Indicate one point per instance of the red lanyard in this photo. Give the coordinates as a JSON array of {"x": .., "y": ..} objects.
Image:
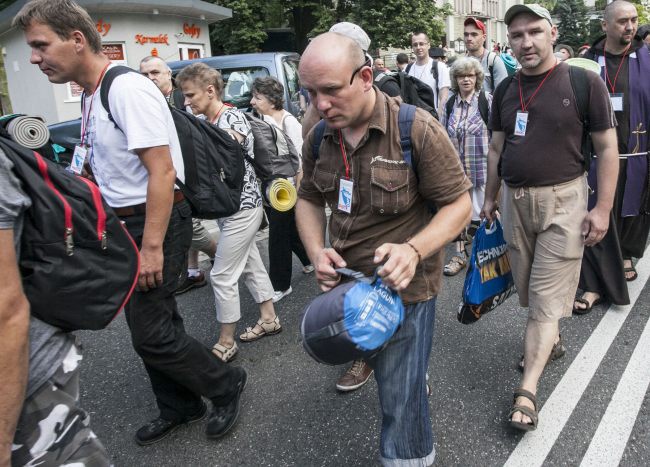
[
  {"x": 216, "y": 119},
  {"x": 521, "y": 92},
  {"x": 620, "y": 65},
  {"x": 345, "y": 156},
  {"x": 85, "y": 117}
]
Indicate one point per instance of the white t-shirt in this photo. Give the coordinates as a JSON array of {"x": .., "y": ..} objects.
[
  {"x": 142, "y": 114},
  {"x": 423, "y": 73}
]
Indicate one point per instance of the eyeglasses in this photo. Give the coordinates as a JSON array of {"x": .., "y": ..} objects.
[
  {"x": 466, "y": 76},
  {"x": 419, "y": 44},
  {"x": 357, "y": 70}
]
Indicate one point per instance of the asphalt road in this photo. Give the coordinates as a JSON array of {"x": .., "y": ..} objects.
[{"x": 595, "y": 400}]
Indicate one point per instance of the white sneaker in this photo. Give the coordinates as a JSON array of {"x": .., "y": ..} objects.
[
  {"x": 308, "y": 269},
  {"x": 279, "y": 295}
]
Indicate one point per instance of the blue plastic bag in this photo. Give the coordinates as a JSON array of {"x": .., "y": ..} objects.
[{"x": 488, "y": 282}]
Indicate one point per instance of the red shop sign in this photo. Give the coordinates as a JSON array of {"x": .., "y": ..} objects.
[{"x": 159, "y": 39}]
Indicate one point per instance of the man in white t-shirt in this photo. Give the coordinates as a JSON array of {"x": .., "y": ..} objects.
[
  {"x": 135, "y": 161},
  {"x": 432, "y": 72}
]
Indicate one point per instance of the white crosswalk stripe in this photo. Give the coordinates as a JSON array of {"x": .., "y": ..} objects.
[{"x": 534, "y": 447}]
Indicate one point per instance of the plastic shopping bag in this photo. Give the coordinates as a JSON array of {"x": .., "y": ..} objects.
[{"x": 488, "y": 282}]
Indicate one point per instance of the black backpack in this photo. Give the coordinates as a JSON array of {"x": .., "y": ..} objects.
[
  {"x": 275, "y": 154},
  {"x": 213, "y": 159},
  {"x": 483, "y": 106},
  {"x": 581, "y": 91},
  {"x": 78, "y": 264},
  {"x": 412, "y": 90}
]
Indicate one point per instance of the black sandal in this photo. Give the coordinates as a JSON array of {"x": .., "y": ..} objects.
[
  {"x": 631, "y": 269},
  {"x": 527, "y": 411},
  {"x": 588, "y": 306}
]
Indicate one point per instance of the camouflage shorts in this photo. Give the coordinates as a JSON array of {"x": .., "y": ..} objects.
[{"x": 53, "y": 430}]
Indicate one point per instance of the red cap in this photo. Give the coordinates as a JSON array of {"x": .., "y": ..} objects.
[{"x": 476, "y": 22}]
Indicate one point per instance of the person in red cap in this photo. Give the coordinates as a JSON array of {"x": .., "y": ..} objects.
[{"x": 475, "y": 35}]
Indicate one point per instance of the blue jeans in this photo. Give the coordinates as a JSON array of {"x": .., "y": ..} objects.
[{"x": 400, "y": 371}]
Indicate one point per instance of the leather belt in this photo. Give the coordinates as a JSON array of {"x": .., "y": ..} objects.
[{"x": 138, "y": 209}]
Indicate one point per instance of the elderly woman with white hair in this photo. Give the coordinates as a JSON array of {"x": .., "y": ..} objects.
[{"x": 465, "y": 118}]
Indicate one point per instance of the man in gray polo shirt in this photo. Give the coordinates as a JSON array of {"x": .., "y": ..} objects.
[{"x": 494, "y": 69}]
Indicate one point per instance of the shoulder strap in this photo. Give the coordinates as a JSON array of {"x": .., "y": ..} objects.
[
  {"x": 107, "y": 81},
  {"x": 580, "y": 85},
  {"x": 434, "y": 71},
  {"x": 491, "y": 67},
  {"x": 483, "y": 107},
  {"x": 449, "y": 106},
  {"x": 581, "y": 89},
  {"x": 405, "y": 122},
  {"x": 500, "y": 91},
  {"x": 178, "y": 98},
  {"x": 319, "y": 131},
  {"x": 408, "y": 68}
]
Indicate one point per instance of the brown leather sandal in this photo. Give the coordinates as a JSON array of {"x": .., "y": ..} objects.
[
  {"x": 455, "y": 265},
  {"x": 527, "y": 411}
]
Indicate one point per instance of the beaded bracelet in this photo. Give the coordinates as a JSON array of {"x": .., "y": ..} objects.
[{"x": 416, "y": 251}]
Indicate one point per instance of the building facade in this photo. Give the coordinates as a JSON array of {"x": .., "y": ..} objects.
[{"x": 130, "y": 31}]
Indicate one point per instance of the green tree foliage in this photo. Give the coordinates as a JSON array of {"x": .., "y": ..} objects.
[
  {"x": 244, "y": 32},
  {"x": 387, "y": 22},
  {"x": 573, "y": 22}
]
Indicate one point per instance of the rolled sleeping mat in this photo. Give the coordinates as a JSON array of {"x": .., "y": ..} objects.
[
  {"x": 584, "y": 63},
  {"x": 30, "y": 132},
  {"x": 510, "y": 62},
  {"x": 353, "y": 320},
  {"x": 281, "y": 194}
]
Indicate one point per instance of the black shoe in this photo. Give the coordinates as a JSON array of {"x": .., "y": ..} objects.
[
  {"x": 160, "y": 428},
  {"x": 192, "y": 283},
  {"x": 223, "y": 417}
]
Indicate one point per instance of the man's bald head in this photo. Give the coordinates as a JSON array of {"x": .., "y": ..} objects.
[
  {"x": 620, "y": 23},
  {"x": 334, "y": 70},
  {"x": 334, "y": 46},
  {"x": 157, "y": 70},
  {"x": 612, "y": 8}
]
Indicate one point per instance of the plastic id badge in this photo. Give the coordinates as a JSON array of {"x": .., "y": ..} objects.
[
  {"x": 617, "y": 101},
  {"x": 345, "y": 195},
  {"x": 78, "y": 159},
  {"x": 521, "y": 121}
]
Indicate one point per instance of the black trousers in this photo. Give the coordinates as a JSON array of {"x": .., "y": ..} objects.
[
  {"x": 180, "y": 368},
  {"x": 283, "y": 239}
]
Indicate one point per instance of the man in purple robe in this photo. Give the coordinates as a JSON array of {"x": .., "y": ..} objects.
[{"x": 625, "y": 67}]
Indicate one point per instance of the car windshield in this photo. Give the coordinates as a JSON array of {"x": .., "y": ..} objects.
[{"x": 238, "y": 83}]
